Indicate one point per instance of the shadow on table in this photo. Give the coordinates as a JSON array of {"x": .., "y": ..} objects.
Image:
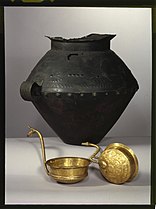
[{"x": 95, "y": 179}]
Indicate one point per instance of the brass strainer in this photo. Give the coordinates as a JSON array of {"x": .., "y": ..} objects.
[{"x": 118, "y": 163}]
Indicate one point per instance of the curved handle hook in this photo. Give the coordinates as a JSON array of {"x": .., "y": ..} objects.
[
  {"x": 30, "y": 133},
  {"x": 93, "y": 157}
]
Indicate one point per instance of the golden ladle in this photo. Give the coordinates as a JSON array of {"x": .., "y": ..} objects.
[{"x": 63, "y": 169}]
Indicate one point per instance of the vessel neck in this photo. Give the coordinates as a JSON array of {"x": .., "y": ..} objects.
[{"x": 93, "y": 42}]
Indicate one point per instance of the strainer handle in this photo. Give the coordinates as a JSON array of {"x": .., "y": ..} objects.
[
  {"x": 30, "y": 133},
  {"x": 93, "y": 157}
]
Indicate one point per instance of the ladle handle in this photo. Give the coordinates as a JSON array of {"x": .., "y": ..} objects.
[
  {"x": 93, "y": 157},
  {"x": 30, "y": 133}
]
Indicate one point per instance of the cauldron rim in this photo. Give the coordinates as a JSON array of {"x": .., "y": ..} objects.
[{"x": 88, "y": 38}]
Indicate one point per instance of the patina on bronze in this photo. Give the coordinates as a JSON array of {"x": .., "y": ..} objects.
[{"x": 80, "y": 87}]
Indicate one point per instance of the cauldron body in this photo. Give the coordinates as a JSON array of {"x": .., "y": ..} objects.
[{"x": 80, "y": 87}]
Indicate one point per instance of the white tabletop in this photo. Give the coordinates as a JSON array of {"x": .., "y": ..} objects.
[{"x": 27, "y": 183}]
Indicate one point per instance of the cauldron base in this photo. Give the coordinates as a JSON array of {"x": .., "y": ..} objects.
[{"x": 76, "y": 119}]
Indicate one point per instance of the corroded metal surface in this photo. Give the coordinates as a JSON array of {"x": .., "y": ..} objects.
[{"x": 80, "y": 87}]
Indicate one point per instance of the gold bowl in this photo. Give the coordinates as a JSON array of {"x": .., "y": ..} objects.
[{"x": 68, "y": 169}]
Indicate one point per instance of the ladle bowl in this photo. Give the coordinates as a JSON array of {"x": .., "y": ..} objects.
[
  {"x": 68, "y": 169},
  {"x": 63, "y": 169}
]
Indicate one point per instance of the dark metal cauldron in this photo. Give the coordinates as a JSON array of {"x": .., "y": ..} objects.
[{"x": 80, "y": 87}]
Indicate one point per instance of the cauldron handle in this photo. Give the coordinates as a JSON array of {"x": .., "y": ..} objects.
[
  {"x": 30, "y": 89},
  {"x": 30, "y": 133},
  {"x": 93, "y": 157}
]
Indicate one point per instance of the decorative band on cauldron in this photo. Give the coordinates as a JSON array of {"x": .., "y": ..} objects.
[{"x": 29, "y": 91}]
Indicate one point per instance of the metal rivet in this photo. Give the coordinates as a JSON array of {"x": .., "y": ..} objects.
[
  {"x": 57, "y": 94},
  {"x": 94, "y": 94},
  {"x": 117, "y": 92},
  {"x": 81, "y": 95},
  {"x": 69, "y": 94},
  {"x": 106, "y": 93}
]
